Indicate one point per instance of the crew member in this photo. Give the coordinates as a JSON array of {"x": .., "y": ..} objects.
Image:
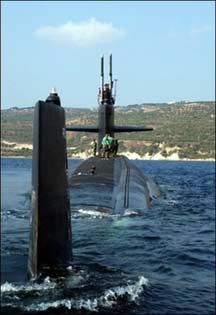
[
  {"x": 94, "y": 147},
  {"x": 106, "y": 92},
  {"x": 105, "y": 146},
  {"x": 111, "y": 144},
  {"x": 115, "y": 146}
]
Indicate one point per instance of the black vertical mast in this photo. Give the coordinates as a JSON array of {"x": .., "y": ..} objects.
[
  {"x": 102, "y": 77},
  {"x": 110, "y": 74}
]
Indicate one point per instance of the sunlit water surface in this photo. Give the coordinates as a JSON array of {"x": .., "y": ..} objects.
[{"x": 162, "y": 262}]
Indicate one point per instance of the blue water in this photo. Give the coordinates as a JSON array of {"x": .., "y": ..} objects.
[{"x": 160, "y": 263}]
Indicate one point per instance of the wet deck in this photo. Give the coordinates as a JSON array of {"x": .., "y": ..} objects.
[
  {"x": 117, "y": 184},
  {"x": 106, "y": 171}
]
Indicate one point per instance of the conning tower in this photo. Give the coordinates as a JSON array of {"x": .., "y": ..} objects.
[{"x": 106, "y": 110}]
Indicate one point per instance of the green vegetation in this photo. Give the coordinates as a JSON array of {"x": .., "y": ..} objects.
[{"x": 184, "y": 128}]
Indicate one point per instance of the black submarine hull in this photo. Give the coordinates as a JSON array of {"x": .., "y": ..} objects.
[{"x": 115, "y": 186}]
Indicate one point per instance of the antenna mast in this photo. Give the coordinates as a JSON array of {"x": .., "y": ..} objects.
[
  {"x": 115, "y": 89},
  {"x": 110, "y": 73},
  {"x": 102, "y": 77}
]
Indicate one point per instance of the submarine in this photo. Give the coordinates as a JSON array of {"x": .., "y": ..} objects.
[{"x": 111, "y": 185}]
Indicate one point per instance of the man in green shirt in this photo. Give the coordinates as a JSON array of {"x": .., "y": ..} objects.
[
  {"x": 107, "y": 143},
  {"x": 105, "y": 140}
]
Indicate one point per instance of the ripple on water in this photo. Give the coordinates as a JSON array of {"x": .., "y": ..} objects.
[
  {"x": 50, "y": 294},
  {"x": 172, "y": 244}
]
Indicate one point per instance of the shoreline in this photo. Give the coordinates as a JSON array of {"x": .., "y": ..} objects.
[{"x": 133, "y": 159}]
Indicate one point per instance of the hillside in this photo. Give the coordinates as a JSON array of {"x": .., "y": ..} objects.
[{"x": 186, "y": 128}]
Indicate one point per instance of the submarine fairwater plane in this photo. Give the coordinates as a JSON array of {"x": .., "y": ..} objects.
[{"x": 108, "y": 185}]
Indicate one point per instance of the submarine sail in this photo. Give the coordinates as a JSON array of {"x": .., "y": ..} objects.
[{"x": 106, "y": 111}]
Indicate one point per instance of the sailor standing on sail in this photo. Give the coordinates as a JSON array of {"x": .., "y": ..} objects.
[
  {"x": 111, "y": 144},
  {"x": 107, "y": 93},
  {"x": 94, "y": 147},
  {"x": 115, "y": 146},
  {"x": 105, "y": 146}
]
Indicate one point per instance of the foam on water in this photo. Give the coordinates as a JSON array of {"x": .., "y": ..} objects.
[
  {"x": 131, "y": 212},
  {"x": 47, "y": 284},
  {"x": 108, "y": 299},
  {"x": 95, "y": 213}
]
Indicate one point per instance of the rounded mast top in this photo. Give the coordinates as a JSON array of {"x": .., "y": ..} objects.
[{"x": 53, "y": 97}]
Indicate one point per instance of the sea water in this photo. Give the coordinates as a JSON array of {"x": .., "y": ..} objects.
[{"x": 161, "y": 262}]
